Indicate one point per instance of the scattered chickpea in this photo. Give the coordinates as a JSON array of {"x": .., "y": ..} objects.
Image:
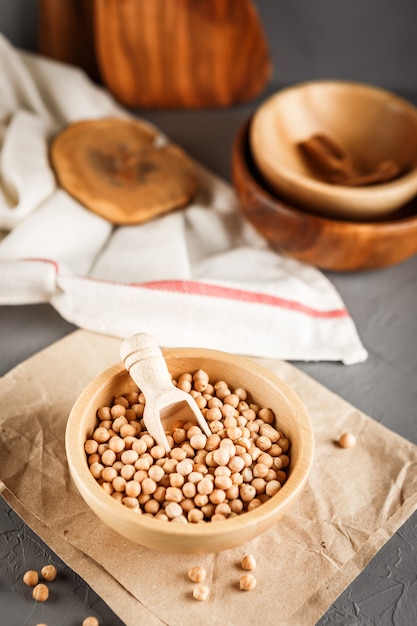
[
  {"x": 48, "y": 572},
  {"x": 31, "y": 578},
  {"x": 347, "y": 440},
  {"x": 197, "y": 574},
  {"x": 40, "y": 592},
  {"x": 248, "y": 562},
  {"x": 90, "y": 621},
  {"x": 201, "y": 592},
  {"x": 247, "y": 582}
]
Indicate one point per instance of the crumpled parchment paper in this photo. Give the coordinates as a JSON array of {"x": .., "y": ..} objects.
[{"x": 354, "y": 501}]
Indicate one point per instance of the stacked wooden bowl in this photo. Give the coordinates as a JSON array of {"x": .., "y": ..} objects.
[{"x": 327, "y": 173}]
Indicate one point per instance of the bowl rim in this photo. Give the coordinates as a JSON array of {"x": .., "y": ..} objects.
[
  {"x": 329, "y": 190},
  {"x": 83, "y": 479}
]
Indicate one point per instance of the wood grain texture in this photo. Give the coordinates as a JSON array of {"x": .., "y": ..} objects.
[
  {"x": 114, "y": 167},
  {"x": 370, "y": 125},
  {"x": 165, "y": 403},
  {"x": 65, "y": 33},
  {"x": 326, "y": 243},
  {"x": 181, "y": 53},
  {"x": 266, "y": 389}
]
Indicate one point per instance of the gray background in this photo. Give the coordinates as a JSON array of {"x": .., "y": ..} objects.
[{"x": 370, "y": 41}]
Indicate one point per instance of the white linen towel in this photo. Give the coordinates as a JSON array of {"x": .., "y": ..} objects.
[{"x": 200, "y": 276}]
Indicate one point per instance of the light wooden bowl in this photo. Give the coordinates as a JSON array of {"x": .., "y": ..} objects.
[
  {"x": 370, "y": 124},
  {"x": 326, "y": 243},
  {"x": 265, "y": 388}
]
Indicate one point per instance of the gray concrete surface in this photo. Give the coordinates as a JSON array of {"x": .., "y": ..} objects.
[{"x": 370, "y": 41}]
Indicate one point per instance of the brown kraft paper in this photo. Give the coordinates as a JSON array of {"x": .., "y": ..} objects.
[{"x": 354, "y": 501}]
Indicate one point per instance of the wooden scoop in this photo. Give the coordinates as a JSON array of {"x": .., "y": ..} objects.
[{"x": 165, "y": 403}]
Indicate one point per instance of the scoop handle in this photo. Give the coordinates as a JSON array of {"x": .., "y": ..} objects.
[{"x": 145, "y": 363}]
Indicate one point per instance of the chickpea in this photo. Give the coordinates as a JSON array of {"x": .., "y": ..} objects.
[
  {"x": 201, "y": 499},
  {"x": 173, "y": 494},
  {"x": 232, "y": 399},
  {"x": 217, "y": 517},
  {"x": 96, "y": 469},
  {"x": 248, "y": 562},
  {"x": 91, "y": 621},
  {"x": 139, "y": 446},
  {"x": 208, "y": 510},
  {"x": 129, "y": 457},
  {"x": 347, "y": 440},
  {"x": 179, "y": 435},
  {"x": 173, "y": 510},
  {"x": 223, "y": 482},
  {"x": 247, "y": 492},
  {"x": 108, "y": 457},
  {"x": 40, "y": 592},
  {"x": 117, "y": 444},
  {"x": 31, "y": 578},
  {"x": 156, "y": 472},
  {"x": 272, "y": 487},
  {"x": 198, "y": 441},
  {"x": 201, "y": 592},
  {"x": 132, "y": 489},
  {"x": 236, "y": 506},
  {"x": 184, "y": 384},
  {"x": 205, "y": 486},
  {"x": 247, "y": 582},
  {"x": 195, "y": 477},
  {"x": 178, "y": 454},
  {"x": 118, "y": 423},
  {"x": 185, "y": 467},
  {"x": 187, "y": 504},
  {"x": 197, "y": 574},
  {"x": 152, "y": 506},
  {"x": 119, "y": 484},
  {"x": 157, "y": 452},
  {"x": 223, "y": 509},
  {"x": 148, "y": 486},
  {"x": 177, "y": 480},
  {"x": 217, "y": 496},
  {"x": 253, "y": 504},
  {"x": 131, "y": 503},
  {"x": 127, "y": 472},
  {"x": 260, "y": 470},
  {"x": 221, "y": 456},
  {"x": 101, "y": 435},
  {"x": 104, "y": 413},
  {"x": 48, "y": 572},
  {"x": 195, "y": 515},
  {"x": 91, "y": 446}
]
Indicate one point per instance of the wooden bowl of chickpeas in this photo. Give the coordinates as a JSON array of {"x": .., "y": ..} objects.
[{"x": 209, "y": 493}]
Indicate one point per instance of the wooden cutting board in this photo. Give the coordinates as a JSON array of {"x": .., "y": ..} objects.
[{"x": 181, "y": 53}]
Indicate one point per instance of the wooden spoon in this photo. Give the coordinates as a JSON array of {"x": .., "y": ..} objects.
[
  {"x": 334, "y": 163},
  {"x": 165, "y": 403}
]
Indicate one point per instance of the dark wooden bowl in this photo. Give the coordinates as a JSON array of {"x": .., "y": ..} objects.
[{"x": 330, "y": 244}]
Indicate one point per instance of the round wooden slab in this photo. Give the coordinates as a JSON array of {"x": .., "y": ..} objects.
[{"x": 112, "y": 166}]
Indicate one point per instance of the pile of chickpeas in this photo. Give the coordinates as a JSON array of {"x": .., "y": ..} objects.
[{"x": 238, "y": 467}]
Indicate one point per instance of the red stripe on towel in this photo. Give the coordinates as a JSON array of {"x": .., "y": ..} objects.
[
  {"x": 218, "y": 291},
  {"x": 211, "y": 290}
]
